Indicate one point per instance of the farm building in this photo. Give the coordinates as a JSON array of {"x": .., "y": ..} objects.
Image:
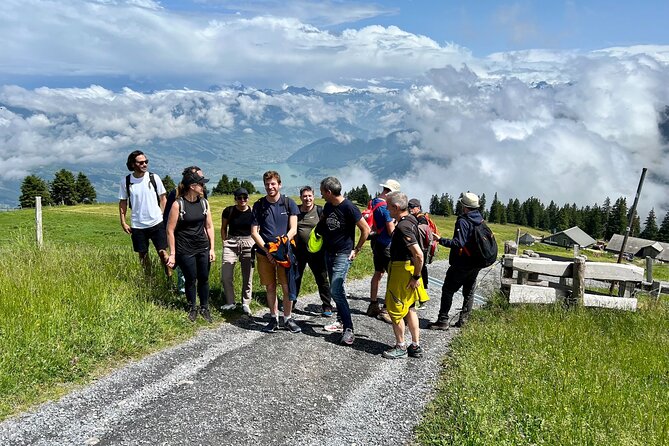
[
  {"x": 528, "y": 239},
  {"x": 570, "y": 237},
  {"x": 639, "y": 247}
]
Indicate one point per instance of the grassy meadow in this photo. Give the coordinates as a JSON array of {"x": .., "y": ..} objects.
[
  {"x": 82, "y": 304},
  {"x": 516, "y": 375}
]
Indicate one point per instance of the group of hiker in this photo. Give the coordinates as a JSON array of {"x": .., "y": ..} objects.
[{"x": 281, "y": 238}]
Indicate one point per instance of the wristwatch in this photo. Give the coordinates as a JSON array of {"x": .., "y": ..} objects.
[{"x": 415, "y": 277}]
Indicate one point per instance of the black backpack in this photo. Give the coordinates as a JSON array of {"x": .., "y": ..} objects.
[{"x": 484, "y": 249}]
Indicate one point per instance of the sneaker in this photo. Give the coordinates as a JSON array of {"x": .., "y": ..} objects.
[
  {"x": 192, "y": 314},
  {"x": 337, "y": 327},
  {"x": 291, "y": 325},
  {"x": 206, "y": 315},
  {"x": 439, "y": 324},
  {"x": 246, "y": 309},
  {"x": 373, "y": 310},
  {"x": 228, "y": 307},
  {"x": 327, "y": 311},
  {"x": 415, "y": 351},
  {"x": 396, "y": 352},
  {"x": 383, "y": 316},
  {"x": 348, "y": 337},
  {"x": 272, "y": 326}
]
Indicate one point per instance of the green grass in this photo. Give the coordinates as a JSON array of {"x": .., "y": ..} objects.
[
  {"x": 546, "y": 375},
  {"x": 70, "y": 311},
  {"x": 517, "y": 375}
]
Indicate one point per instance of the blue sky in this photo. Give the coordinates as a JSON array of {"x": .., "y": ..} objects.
[{"x": 482, "y": 26}]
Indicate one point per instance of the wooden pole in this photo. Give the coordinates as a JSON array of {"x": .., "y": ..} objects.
[
  {"x": 578, "y": 285},
  {"x": 577, "y": 250},
  {"x": 649, "y": 269},
  {"x": 518, "y": 237},
  {"x": 630, "y": 220},
  {"x": 38, "y": 222}
]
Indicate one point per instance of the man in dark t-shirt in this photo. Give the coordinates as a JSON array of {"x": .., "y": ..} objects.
[
  {"x": 308, "y": 218},
  {"x": 405, "y": 289},
  {"x": 274, "y": 215},
  {"x": 337, "y": 227}
]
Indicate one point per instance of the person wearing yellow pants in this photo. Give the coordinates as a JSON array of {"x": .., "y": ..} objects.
[{"x": 404, "y": 289}]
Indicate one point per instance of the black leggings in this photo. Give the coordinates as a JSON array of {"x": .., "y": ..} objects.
[{"x": 196, "y": 268}]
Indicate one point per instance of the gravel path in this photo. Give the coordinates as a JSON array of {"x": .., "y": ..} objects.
[{"x": 235, "y": 385}]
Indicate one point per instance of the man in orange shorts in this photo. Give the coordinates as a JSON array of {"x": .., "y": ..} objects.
[{"x": 274, "y": 215}]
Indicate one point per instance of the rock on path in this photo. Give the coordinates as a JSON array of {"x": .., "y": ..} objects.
[{"x": 235, "y": 385}]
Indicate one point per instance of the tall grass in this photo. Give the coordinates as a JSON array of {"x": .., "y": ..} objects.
[
  {"x": 66, "y": 310},
  {"x": 546, "y": 375}
]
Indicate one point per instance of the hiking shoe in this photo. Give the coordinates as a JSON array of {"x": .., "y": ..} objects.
[
  {"x": 459, "y": 323},
  {"x": 291, "y": 325},
  {"x": 383, "y": 316},
  {"x": 327, "y": 311},
  {"x": 206, "y": 315},
  {"x": 272, "y": 326},
  {"x": 228, "y": 307},
  {"x": 373, "y": 310},
  {"x": 397, "y": 352},
  {"x": 348, "y": 337},
  {"x": 337, "y": 327},
  {"x": 192, "y": 314},
  {"x": 439, "y": 324},
  {"x": 415, "y": 351},
  {"x": 246, "y": 310}
]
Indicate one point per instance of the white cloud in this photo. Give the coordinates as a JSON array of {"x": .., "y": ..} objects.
[{"x": 151, "y": 43}]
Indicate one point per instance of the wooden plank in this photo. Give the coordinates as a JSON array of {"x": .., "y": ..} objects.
[
  {"x": 613, "y": 271},
  {"x": 618, "y": 303},
  {"x": 527, "y": 294},
  {"x": 545, "y": 267}
]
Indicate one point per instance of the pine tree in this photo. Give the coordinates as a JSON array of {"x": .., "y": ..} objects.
[
  {"x": 510, "y": 215},
  {"x": 223, "y": 186},
  {"x": 169, "y": 184},
  {"x": 31, "y": 187},
  {"x": 84, "y": 189},
  {"x": 650, "y": 226},
  {"x": 458, "y": 206},
  {"x": 234, "y": 185},
  {"x": 663, "y": 231},
  {"x": 635, "y": 229},
  {"x": 446, "y": 205},
  {"x": 63, "y": 188},
  {"x": 494, "y": 216},
  {"x": 246, "y": 184},
  {"x": 482, "y": 206},
  {"x": 435, "y": 205},
  {"x": 617, "y": 223}
]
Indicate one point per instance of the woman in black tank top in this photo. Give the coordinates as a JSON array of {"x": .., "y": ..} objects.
[{"x": 190, "y": 235}]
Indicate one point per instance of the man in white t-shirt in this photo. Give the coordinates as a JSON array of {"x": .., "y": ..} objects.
[{"x": 145, "y": 194}]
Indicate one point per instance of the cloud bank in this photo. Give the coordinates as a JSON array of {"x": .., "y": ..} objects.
[{"x": 570, "y": 126}]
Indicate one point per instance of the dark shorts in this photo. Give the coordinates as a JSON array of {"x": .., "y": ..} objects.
[
  {"x": 381, "y": 255},
  {"x": 140, "y": 238}
]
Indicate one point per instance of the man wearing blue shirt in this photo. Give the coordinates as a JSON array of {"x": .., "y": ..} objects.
[
  {"x": 274, "y": 215},
  {"x": 380, "y": 241}
]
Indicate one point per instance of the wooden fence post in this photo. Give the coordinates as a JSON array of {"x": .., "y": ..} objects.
[
  {"x": 38, "y": 222},
  {"x": 577, "y": 250},
  {"x": 578, "y": 285},
  {"x": 649, "y": 269}
]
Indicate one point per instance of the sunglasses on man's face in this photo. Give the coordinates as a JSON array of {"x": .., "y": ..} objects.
[
  {"x": 242, "y": 197},
  {"x": 142, "y": 162}
]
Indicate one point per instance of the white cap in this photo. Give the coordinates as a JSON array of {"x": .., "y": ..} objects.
[{"x": 393, "y": 185}]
